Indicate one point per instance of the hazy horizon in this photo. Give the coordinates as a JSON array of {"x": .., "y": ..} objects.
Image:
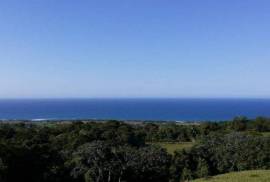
[{"x": 140, "y": 97}]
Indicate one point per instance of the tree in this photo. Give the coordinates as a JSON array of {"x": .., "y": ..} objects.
[
  {"x": 239, "y": 123},
  {"x": 3, "y": 169},
  {"x": 93, "y": 162},
  {"x": 261, "y": 124},
  {"x": 202, "y": 168}
]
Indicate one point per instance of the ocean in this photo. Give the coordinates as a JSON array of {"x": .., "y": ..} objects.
[{"x": 133, "y": 109}]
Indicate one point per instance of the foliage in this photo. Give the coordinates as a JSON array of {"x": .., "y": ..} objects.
[
  {"x": 117, "y": 151},
  {"x": 217, "y": 154}
]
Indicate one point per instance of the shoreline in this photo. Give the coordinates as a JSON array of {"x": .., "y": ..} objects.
[{"x": 132, "y": 122}]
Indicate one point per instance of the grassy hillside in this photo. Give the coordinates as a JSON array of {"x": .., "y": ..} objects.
[{"x": 245, "y": 176}]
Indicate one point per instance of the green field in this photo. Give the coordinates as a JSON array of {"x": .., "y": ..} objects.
[
  {"x": 267, "y": 134},
  {"x": 245, "y": 176},
  {"x": 171, "y": 147}
]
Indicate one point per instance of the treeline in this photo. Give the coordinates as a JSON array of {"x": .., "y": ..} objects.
[
  {"x": 179, "y": 132},
  {"x": 218, "y": 154},
  {"x": 116, "y": 151}
]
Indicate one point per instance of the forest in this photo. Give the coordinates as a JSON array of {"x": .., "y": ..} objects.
[{"x": 111, "y": 151}]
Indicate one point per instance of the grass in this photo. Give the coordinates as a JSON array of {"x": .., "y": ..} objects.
[
  {"x": 245, "y": 176},
  {"x": 266, "y": 134},
  {"x": 172, "y": 147}
]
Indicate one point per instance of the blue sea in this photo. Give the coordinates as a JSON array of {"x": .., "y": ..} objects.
[{"x": 133, "y": 109}]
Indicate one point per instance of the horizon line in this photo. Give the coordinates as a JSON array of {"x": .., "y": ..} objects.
[{"x": 61, "y": 98}]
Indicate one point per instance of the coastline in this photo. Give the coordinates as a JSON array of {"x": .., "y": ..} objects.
[{"x": 132, "y": 122}]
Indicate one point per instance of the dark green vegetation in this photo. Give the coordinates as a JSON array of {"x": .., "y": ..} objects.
[{"x": 116, "y": 151}]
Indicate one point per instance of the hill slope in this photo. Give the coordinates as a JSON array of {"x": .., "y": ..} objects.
[{"x": 245, "y": 176}]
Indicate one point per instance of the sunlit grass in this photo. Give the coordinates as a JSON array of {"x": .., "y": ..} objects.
[
  {"x": 267, "y": 134},
  {"x": 172, "y": 147},
  {"x": 245, "y": 176}
]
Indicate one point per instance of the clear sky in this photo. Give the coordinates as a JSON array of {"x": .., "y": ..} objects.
[{"x": 134, "y": 48}]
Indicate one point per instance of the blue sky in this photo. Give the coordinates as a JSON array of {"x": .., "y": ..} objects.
[{"x": 138, "y": 48}]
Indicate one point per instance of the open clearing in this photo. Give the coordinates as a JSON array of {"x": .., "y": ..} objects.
[{"x": 172, "y": 147}]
